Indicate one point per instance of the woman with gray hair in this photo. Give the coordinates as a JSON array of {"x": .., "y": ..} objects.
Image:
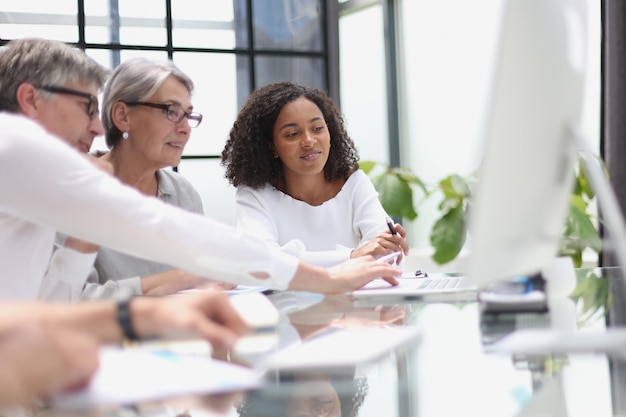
[{"x": 147, "y": 116}]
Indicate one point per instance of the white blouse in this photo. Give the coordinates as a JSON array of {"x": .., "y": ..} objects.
[{"x": 323, "y": 235}]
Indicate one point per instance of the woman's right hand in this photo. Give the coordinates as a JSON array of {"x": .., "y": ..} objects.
[{"x": 383, "y": 244}]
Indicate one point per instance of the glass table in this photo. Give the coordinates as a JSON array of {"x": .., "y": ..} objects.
[{"x": 451, "y": 369}]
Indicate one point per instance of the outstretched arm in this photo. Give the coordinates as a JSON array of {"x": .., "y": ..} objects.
[
  {"x": 67, "y": 193},
  {"x": 208, "y": 315},
  {"x": 174, "y": 280},
  {"x": 345, "y": 277}
]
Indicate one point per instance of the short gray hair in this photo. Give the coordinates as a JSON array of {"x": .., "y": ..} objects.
[
  {"x": 136, "y": 79},
  {"x": 43, "y": 62}
]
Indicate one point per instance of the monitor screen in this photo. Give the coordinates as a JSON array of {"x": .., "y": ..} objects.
[{"x": 526, "y": 176}]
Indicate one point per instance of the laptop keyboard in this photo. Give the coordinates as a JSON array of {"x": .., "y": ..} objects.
[{"x": 439, "y": 283}]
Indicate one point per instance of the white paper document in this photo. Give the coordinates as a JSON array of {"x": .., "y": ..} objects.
[{"x": 130, "y": 376}]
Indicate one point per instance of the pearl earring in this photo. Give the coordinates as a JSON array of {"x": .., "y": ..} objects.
[{"x": 125, "y": 135}]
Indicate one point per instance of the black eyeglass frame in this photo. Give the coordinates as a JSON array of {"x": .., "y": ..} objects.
[
  {"x": 92, "y": 110},
  {"x": 192, "y": 116}
]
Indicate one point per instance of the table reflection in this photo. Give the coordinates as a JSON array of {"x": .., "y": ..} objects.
[{"x": 337, "y": 394}]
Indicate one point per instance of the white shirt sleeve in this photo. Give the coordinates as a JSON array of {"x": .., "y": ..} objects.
[
  {"x": 67, "y": 192},
  {"x": 368, "y": 211},
  {"x": 369, "y": 214},
  {"x": 66, "y": 275},
  {"x": 112, "y": 288}
]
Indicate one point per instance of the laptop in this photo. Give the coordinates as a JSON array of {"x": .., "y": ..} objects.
[{"x": 434, "y": 287}]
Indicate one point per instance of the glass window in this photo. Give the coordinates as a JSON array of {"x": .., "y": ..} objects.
[
  {"x": 363, "y": 93},
  {"x": 33, "y": 8},
  {"x": 215, "y": 96},
  {"x": 218, "y": 24},
  {"x": 304, "y": 70},
  {"x": 59, "y": 32},
  {"x": 288, "y": 24},
  {"x": 134, "y": 22},
  {"x": 52, "y": 20},
  {"x": 212, "y": 41},
  {"x": 108, "y": 58}
]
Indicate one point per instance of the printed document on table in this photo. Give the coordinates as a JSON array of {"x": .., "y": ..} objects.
[{"x": 131, "y": 376}]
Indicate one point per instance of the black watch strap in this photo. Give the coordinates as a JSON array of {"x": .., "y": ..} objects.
[{"x": 125, "y": 320}]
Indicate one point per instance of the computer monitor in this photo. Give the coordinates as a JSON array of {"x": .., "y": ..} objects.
[{"x": 526, "y": 176}]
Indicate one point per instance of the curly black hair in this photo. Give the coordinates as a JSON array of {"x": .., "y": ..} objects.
[{"x": 248, "y": 156}]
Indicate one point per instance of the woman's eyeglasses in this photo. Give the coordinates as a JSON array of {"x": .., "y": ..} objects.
[{"x": 174, "y": 112}]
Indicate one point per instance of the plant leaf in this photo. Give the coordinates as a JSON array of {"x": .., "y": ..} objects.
[
  {"x": 367, "y": 166},
  {"x": 408, "y": 176},
  {"x": 395, "y": 195},
  {"x": 448, "y": 236},
  {"x": 578, "y": 202},
  {"x": 448, "y": 204},
  {"x": 580, "y": 231},
  {"x": 446, "y": 187},
  {"x": 583, "y": 181},
  {"x": 460, "y": 185}
]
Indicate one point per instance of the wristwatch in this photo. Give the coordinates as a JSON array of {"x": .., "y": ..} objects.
[{"x": 124, "y": 318}]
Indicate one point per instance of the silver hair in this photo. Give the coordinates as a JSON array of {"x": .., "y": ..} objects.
[
  {"x": 44, "y": 62},
  {"x": 136, "y": 79}
]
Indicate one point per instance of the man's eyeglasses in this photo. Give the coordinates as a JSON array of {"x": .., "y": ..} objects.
[
  {"x": 92, "y": 106},
  {"x": 174, "y": 112}
]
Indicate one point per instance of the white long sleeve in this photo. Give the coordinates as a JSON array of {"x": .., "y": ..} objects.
[
  {"x": 66, "y": 275},
  {"x": 110, "y": 288},
  {"x": 47, "y": 186},
  {"x": 322, "y": 235}
]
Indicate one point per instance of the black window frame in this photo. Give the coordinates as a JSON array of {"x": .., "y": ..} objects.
[
  {"x": 328, "y": 53},
  {"x": 331, "y": 10}
]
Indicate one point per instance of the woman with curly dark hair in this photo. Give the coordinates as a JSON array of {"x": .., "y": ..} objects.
[{"x": 298, "y": 180}]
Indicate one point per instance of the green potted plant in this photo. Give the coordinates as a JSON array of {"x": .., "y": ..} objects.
[{"x": 396, "y": 186}]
